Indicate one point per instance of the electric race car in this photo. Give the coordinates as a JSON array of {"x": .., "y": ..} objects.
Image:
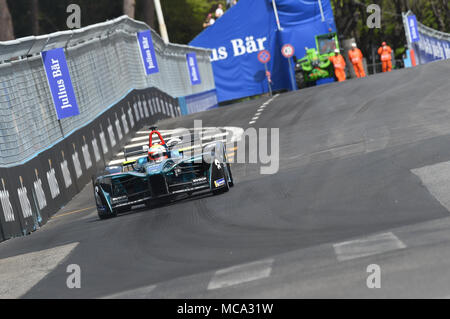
[{"x": 162, "y": 175}]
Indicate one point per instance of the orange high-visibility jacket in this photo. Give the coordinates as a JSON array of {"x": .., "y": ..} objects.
[
  {"x": 355, "y": 55},
  {"x": 338, "y": 61},
  {"x": 385, "y": 53}
]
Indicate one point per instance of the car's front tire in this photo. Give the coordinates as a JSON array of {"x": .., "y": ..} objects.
[
  {"x": 106, "y": 214},
  {"x": 226, "y": 187},
  {"x": 223, "y": 189}
]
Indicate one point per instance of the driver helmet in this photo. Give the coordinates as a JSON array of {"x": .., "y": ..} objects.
[
  {"x": 336, "y": 51},
  {"x": 157, "y": 153}
]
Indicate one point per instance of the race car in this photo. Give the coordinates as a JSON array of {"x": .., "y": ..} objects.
[{"x": 162, "y": 175}]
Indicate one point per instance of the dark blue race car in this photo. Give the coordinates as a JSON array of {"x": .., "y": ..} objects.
[{"x": 162, "y": 175}]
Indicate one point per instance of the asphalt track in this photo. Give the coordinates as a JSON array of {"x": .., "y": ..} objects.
[{"x": 359, "y": 183}]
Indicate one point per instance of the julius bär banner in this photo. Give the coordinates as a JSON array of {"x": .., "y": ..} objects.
[
  {"x": 147, "y": 52},
  {"x": 59, "y": 82},
  {"x": 194, "y": 73}
]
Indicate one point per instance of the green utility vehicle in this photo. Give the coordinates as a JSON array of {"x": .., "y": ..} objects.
[{"x": 315, "y": 65}]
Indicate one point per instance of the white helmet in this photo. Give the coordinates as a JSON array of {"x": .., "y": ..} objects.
[{"x": 157, "y": 153}]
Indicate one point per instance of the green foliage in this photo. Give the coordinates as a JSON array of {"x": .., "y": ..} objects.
[
  {"x": 53, "y": 16},
  {"x": 399, "y": 51},
  {"x": 351, "y": 17},
  {"x": 184, "y": 18}
]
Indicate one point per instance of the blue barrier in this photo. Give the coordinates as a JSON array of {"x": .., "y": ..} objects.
[{"x": 198, "y": 102}]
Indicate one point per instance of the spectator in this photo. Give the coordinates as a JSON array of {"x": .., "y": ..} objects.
[
  {"x": 219, "y": 11},
  {"x": 230, "y": 3},
  {"x": 208, "y": 21}
]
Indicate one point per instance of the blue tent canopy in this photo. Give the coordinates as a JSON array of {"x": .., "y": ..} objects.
[{"x": 249, "y": 27}]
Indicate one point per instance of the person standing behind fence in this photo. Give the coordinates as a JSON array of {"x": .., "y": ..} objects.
[
  {"x": 209, "y": 21},
  {"x": 230, "y": 3},
  {"x": 219, "y": 11},
  {"x": 355, "y": 56},
  {"x": 339, "y": 65},
  {"x": 385, "y": 53}
]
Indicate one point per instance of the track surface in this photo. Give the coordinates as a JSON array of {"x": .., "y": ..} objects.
[{"x": 346, "y": 155}]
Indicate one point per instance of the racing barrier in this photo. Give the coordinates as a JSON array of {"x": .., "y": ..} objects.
[
  {"x": 32, "y": 192},
  {"x": 44, "y": 161},
  {"x": 428, "y": 44}
]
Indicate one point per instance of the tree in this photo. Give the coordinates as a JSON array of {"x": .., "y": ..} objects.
[
  {"x": 6, "y": 25},
  {"x": 184, "y": 18},
  {"x": 128, "y": 7},
  {"x": 351, "y": 16},
  {"x": 149, "y": 13},
  {"x": 35, "y": 16}
]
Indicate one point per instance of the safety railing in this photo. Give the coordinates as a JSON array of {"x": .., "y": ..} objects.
[{"x": 104, "y": 63}]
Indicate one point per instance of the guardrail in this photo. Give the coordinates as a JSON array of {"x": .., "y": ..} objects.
[
  {"x": 30, "y": 193},
  {"x": 429, "y": 45},
  {"x": 104, "y": 63},
  {"x": 44, "y": 161}
]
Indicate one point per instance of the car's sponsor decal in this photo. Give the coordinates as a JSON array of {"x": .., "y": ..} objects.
[
  {"x": 219, "y": 182},
  {"x": 199, "y": 180}
]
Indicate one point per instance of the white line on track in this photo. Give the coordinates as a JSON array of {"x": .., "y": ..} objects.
[
  {"x": 231, "y": 135},
  {"x": 367, "y": 246},
  {"x": 436, "y": 178},
  {"x": 205, "y": 137},
  {"x": 261, "y": 108},
  {"x": 22, "y": 272},
  {"x": 241, "y": 273},
  {"x": 139, "y": 293},
  {"x": 120, "y": 156}
]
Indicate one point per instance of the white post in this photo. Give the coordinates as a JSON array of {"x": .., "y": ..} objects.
[
  {"x": 162, "y": 24},
  {"x": 406, "y": 26},
  {"x": 276, "y": 15},
  {"x": 321, "y": 11}
]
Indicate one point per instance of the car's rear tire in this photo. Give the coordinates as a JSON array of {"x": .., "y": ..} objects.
[{"x": 231, "y": 183}]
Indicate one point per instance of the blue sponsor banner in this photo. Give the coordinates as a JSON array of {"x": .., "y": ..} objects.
[
  {"x": 429, "y": 49},
  {"x": 250, "y": 27},
  {"x": 147, "y": 52},
  {"x": 413, "y": 30},
  {"x": 194, "y": 74},
  {"x": 60, "y": 84}
]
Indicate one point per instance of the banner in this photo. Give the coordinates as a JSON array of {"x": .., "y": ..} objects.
[
  {"x": 59, "y": 82},
  {"x": 250, "y": 27},
  {"x": 413, "y": 30},
  {"x": 429, "y": 49},
  {"x": 147, "y": 50},
  {"x": 194, "y": 74}
]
